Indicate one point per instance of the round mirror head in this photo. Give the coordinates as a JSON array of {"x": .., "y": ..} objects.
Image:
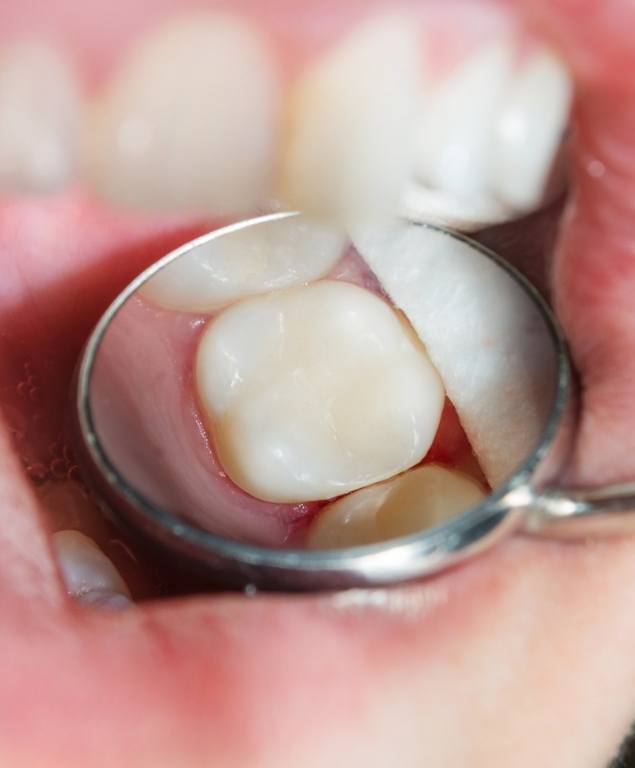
[{"x": 283, "y": 385}]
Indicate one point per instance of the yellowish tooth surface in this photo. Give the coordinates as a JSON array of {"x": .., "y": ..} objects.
[
  {"x": 189, "y": 121},
  {"x": 252, "y": 260},
  {"x": 39, "y": 118},
  {"x": 413, "y": 502},
  {"x": 315, "y": 391},
  {"x": 350, "y": 123}
]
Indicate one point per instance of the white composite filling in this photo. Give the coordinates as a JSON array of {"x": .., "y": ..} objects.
[{"x": 313, "y": 392}]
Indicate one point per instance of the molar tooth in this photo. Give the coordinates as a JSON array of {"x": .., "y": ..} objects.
[
  {"x": 290, "y": 252},
  {"x": 455, "y": 145},
  {"x": 529, "y": 130},
  {"x": 39, "y": 119},
  {"x": 415, "y": 501},
  {"x": 89, "y": 575},
  {"x": 190, "y": 121},
  {"x": 316, "y": 391},
  {"x": 351, "y": 120}
]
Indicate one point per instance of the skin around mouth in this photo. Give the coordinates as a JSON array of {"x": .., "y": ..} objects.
[{"x": 498, "y": 663}]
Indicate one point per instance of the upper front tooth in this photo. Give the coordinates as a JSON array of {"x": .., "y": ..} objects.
[
  {"x": 39, "y": 116},
  {"x": 248, "y": 261},
  {"x": 190, "y": 121},
  {"x": 350, "y": 123},
  {"x": 529, "y": 130},
  {"x": 413, "y": 502},
  {"x": 315, "y": 391},
  {"x": 455, "y": 144}
]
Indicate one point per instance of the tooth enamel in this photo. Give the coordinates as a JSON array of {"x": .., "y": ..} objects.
[
  {"x": 482, "y": 332},
  {"x": 530, "y": 129},
  {"x": 456, "y": 143},
  {"x": 251, "y": 260},
  {"x": 350, "y": 123},
  {"x": 415, "y": 501},
  {"x": 315, "y": 391},
  {"x": 190, "y": 121},
  {"x": 433, "y": 206},
  {"x": 89, "y": 575},
  {"x": 39, "y": 116}
]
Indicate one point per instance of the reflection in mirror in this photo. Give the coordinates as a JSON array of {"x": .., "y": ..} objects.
[{"x": 288, "y": 385}]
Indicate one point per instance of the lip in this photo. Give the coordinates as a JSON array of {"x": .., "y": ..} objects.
[{"x": 286, "y": 680}]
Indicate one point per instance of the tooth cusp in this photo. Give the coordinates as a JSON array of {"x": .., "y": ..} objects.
[{"x": 316, "y": 391}]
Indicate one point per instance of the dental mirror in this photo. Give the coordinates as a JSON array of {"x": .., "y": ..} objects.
[{"x": 292, "y": 406}]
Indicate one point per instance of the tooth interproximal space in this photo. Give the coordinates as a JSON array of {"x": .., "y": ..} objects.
[
  {"x": 316, "y": 391},
  {"x": 190, "y": 120},
  {"x": 245, "y": 262},
  {"x": 415, "y": 501}
]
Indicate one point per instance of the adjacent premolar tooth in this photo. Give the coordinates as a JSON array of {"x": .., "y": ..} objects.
[
  {"x": 415, "y": 501},
  {"x": 315, "y": 391},
  {"x": 456, "y": 143},
  {"x": 89, "y": 575},
  {"x": 250, "y": 260},
  {"x": 351, "y": 120},
  {"x": 39, "y": 117},
  {"x": 529, "y": 130},
  {"x": 190, "y": 121}
]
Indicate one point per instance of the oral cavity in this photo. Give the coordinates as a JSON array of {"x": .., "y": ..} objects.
[
  {"x": 316, "y": 391},
  {"x": 203, "y": 115}
]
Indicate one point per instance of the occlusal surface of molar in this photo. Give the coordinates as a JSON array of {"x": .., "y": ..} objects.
[
  {"x": 40, "y": 107},
  {"x": 315, "y": 391},
  {"x": 189, "y": 120}
]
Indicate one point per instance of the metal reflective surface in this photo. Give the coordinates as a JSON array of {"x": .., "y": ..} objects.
[{"x": 127, "y": 486}]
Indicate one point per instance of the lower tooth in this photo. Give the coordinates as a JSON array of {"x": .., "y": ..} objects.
[
  {"x": 88, "y": 574},
  {"x": 39, "y": 117},
  {"x": 245, "y": 262},
  {"x": 316, "y": 391},
  {"x": 415, "y": 501}
]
